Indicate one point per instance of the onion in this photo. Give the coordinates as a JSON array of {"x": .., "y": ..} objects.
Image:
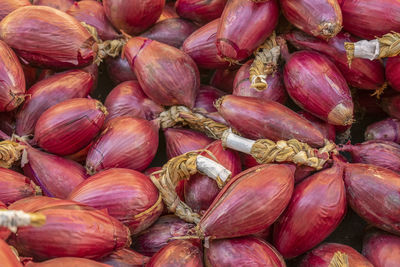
[
  {"x": 258, "y": 118},
  {"x": 382, "y": 249},
  {"x": 328, "y": 130},
  {"x": 223, "y": 79},
  {"x": 67, "y": 261},
  {"x": 36, "y": 203},
  {"x": 62, "y": 5},
  {"x": 81, "y": 155},
  {"x": 92, "y": 13},
  {"x": 14, "y": 186},
  {"x": 49, "y": 92},
  {"x": 30, "y": 75},
  {"x": 316, "y": 85},
  {"x": 69, "y": 126},
  {"x": 133, "y": 16},
  {"x": 391, "y": 105},
  {"x": 125, "y": 143},
  {"x": 8, "y": 6},
  {"x": 172, "y": 32},
  {"x": 243, "y": 251},
  {"x": 118, "y": 70},
  {"x": 125, "y": 258},
  {"x": 388, "y": 129},
  {"x": 48, "y": 38},
  {"x": 7, "y": 256},
  {"x": 168, "y": 12},
  {"x": 392, "y": 72},
  {"x": 182, "y": 253},
  {"x": 206, "y": 97},
  {"x": 321, "y": 198},
  {"x": 4, "y": 232},
  {"x": 128, "y": 99},
  {"x": 363, "y": 181},
  {"x": 200, "y": 11},
  {"x": 175, "y": 79},
  {"x": 151, "y": 170}
]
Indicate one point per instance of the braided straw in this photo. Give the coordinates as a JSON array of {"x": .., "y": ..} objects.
[
  {"x": 339, "y": 259},
  {"x": 10, "y": 152},
  {"x": 12, "y": 219}
]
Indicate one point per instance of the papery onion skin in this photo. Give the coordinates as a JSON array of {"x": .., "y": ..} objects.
[
  {"x": 4, "y": 232},
  {"x": 69, "y": 126},
  {"x": 182, "y": 253},
  {"x": 36, "y": 203},
  {"x": 381, "y": 249},
  {"x": 391, "y": 105},
  {"x": 392, "y": 72},
  {"x": 328, "y": 130},
  {"x": 242, "y": 251},
  {"x": 223, "y": 79},
  {"x": 176, "y": 78},
  {"x": 81, "y": 155},
  {"x": 62, "y": 5},
  {"x": 388, "y": 130},
  {"x": 49, "y": 92},
  {"x": 206, "y": 97},
  {"x": 63, "y": 41},
  {"x": 135, "y": 16},
  {"x": 168, "y": 12},
  {"x": 128, "y": 99},
  {"x": 257, "y": 119},
  {"x": 14, "y": 186},
  {"x": 8, "y": 6},
  {"x": 316, "y": 85},
  {"x": 118, "y": 70},
  {"x": 67, "y": 261},
  {"x": 7, "y": 256},
  {"x": 249, "y": 203},
  {"x": 364, "y": 180},
  {"x": 245, "y": 25},
  {"x": 30, "y": 75},
  {"x": 125, "y": 258},
  {"x": 151, "y": 170},
  {"x": 200, "y": 11}
]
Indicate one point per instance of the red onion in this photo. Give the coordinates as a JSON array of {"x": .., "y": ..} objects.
[
  {"x": 92, "y": 13},
  {"x": 30, "y": 74},
  {"x": 383, "y": 209},
  {"x": 81, "y": 155},
  {"x": 392, "y": 72},
  {"x": 62, "y": 5},
  {"x": 382, "y": 249},
  {"x": 14, "y": 186},
  {"x": 316, "y": 85},
  {"x": 275, "y": 90},
  {"x": 48, "y": 38},
  {"x": 49, "y": 92},
  {"x": 8, "y": 6},
  {"x": 7, "y": 256},
  {"x": 206, "y": 97},
  {"x": 249, "y": 203},
  {"x": 4, "y": 232},
  {"x": 388, "y": 129},
  {"x": 36, "y": 203},
  {"x": 128, "y": 99},
  {"x": 182, "y": 253},
  {"x": 172, "y": 32},
  {"x": 175, "y": 78},
  {"x": 168, "y": 12},
  {"x": 242, "y": 251},
  {"x": 258, "y": 118},
  {"x": 157, "y": 236},
  {"x": 125, "y": 143},
  {"x": 151, "y": 170},
  {"x": 118, "y": 70},
  {"x": 200, "y": 11},
  {"x": 391, "y": 105},
  {"x": 244, "y": 26},
  {"x": 324, "y": 256},
  {"x": 67, "y": 261},
  {"x": 328, "y": 130},
  {"x": 223, "y": 79},
  {"x": 134, "y": 16},
  {"x": 125, "y": 258},
  {"x": 69, "y": 126},
  {"x": 321, "y": 198},
  {"x": 200, "y": 46},
  {"x": 12, "y": 92}
]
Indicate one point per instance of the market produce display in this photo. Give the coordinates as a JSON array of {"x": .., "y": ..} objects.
[{"x": 195, "y": 133}]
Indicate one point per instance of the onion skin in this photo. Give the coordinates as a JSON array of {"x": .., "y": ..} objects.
[
  {"x": 172, "y": 32},
  {"x": 126, "y": 258},
  {"x": 14, "y": 186},
  {"x": 12, "y": 88},
  {"x": 223, "y": 80},
  {"x": 177, "y": 79},
  {"x": 67, "y": 261},
  {"x": 157, "y": 236},
  {"x": 363, "y": 73},
  {"x": 182, "y": 253},
  {"x": 242, "y": 251},
  {"x": 125, "y": 143},
  {"x": 202, "y": 11},
  {"x": 128, "y": 99},
  {"x": 8, "y": 6},
  {"x": 236, "y": 37},
  {"x": 135, "y": 16},
  {"x": 388, "y": 130},
  {"x": 316, "y": 85},
  {"x": 249, "y": 203},
  {"x": 62, "y": 5},
  {"x": 36, "y": 203},
  {"x": 7, "y": 256},
  {"x": 382, "y": 249},
  {"x": 267, "y": 119},
  {"x": 274, "y": 92},
  {"x": 321, "y": 198},
  {"x": 30, "y": 75},
  {"x": 328, "y": 130},
  {"x": 92, "y": 13},
  {"x": 4, "y": 232},
  {"x": 392, "y": 72},
  {"x": 49, "y": 92},
  {"x": 64, "y": 42},
  {"x": 323, "y": 254},
  {"x": 69, "y": 126},
  {"x": 151, "y": 170},
  {"x": 363, "y": 181},
  {"x": 200, "y": 46},
  {"x": 168, "y": 12},
  {"x": 391, "y": 105},
  {"x": 206, "y": 98},
  {"x": 118, "y": 70}
]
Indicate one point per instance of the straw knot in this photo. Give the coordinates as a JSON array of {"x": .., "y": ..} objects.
[
  {"x": 339, "y": 259},
  {"x": 10, "y": 152}
]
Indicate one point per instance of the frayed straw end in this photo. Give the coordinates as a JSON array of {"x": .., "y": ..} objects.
[
  {"x": 380, "y": 91},
  {"x": 349, "y": 52},
  {"x": 339, "y": 259}
]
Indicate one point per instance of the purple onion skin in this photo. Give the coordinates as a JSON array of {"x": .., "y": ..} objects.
[
  {"x": 391, "y": 105},
  {"x": 168, "y": 12},
  {"x": 14, "y": 186},
  {"x": 126, "y": 258},
  {"x": 49, "y": 92},
  {"x": 8, "y": 6},
  {"x": 242, "y": 251},
  {"x": 328, "y": 130},
  {"x": 62, "y": 5},
  {"x": 321, "y": 198},
  {"x": 157, "y": 236},
  {"x": 200, "y": 46},
  {"x": 244, "y": 26},
  {"x": 363, "y": 73},
  {"x": 92, "y": 13},
  {"x": 223, "y": 79},
  {"x": 386, "y": 130},
  {"x": 206, "y": 98},
  {"x": 118, "y": 70},
  {"x": 128, "y": 99},
  {"x": 66, "y": 261},
  {"x": 172, "y": 32},
  {"x": 257, "y": 119},
  {"x": 7, "y": 124},
  {"x": 392, "y": 72},
  {"x": 382, "y": 249},
  {"x": 274, "y": 92},
  {"x": 383, "y": 209},
  {"x": 316, "y": 85},
  {"x": 177, "y": 80},
  {"x": 202, "y": 11}
]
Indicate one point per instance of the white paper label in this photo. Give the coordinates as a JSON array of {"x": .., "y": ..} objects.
[
  {"x": 366, "y": 49},
  {"x": 212, "y": 169},
  {"x": 13, "y": 219},
  {"x": 238, "y": 143}
]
